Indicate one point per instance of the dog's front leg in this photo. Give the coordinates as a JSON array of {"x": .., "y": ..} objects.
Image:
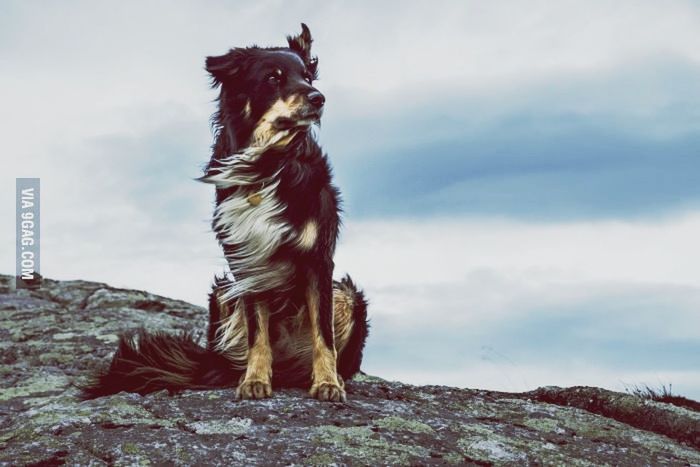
[
  {"x": 257, "y": 380},
  {"x": 319, "y": 300}
]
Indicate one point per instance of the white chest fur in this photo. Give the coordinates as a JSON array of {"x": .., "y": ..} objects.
[{"x": 256, "y": 231}]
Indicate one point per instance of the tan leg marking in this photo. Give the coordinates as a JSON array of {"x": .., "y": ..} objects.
[
  {"x": 325, "y": 384},
  {"x": 257, "y": 381}
]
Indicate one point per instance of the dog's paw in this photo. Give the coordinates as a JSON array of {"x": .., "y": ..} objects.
[
  {"x": 328, "y": 391},
  {"x": 254, "y": 390}
]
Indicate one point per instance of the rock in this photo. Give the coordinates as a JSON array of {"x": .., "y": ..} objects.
[{"x": 53, "y": 337}]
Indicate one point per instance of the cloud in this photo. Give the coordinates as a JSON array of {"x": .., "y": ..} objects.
[
  {"x": 505, "y": 375},
  {"x": 462, "y": 109},
  {"x": 582, "y": 173},
  {"x": 621, "y": 143},
  {"x": 520, "y": 177},
  {"x": 512, "y": 305},
  {"x": 481, "y": 44},
  {"x": 122, "y": 206},
  {"x": 439, "y": 250}
]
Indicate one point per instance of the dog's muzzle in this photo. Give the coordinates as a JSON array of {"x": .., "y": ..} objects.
[{"x": 303, "y": 120}]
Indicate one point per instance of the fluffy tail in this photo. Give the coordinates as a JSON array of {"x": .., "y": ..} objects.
[
  {"x": 350, "y": 356},
  {"x": 147, "y": 362}
]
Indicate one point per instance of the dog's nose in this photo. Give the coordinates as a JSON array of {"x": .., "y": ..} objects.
[{"x": 317, "y": 99}]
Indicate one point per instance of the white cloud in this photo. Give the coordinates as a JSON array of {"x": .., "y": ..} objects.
[
  {"x": 505, "y": 376},
  {"x": 444, "y": 250},
  {"x": 82, "y": 70},
  {"x": 79, "y": 74},
  {"x": 477, "y": 43},
  {"x": 486, "y": 303}
]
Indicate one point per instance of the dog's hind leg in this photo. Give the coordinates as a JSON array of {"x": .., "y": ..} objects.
[{"x": 256, "y": 383}]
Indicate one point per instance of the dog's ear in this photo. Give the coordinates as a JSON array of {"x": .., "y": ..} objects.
[
  {"x": 225, "y": 67},
  {"x": 301, "y": 44}
]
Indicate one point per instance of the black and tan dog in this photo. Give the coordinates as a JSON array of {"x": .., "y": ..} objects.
[{"x": 280, "y": 320}]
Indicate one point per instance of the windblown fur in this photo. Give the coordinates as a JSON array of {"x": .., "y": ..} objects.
[{"x": 278, "y": 319}]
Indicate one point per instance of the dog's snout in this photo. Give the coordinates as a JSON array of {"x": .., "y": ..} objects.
[{"x": 316, "y": 99}]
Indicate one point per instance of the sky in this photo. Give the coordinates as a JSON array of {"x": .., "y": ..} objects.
[{"x": 521, "y": 180}]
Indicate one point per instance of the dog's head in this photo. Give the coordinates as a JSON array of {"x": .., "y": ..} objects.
[{"x": 267, "y": 91}]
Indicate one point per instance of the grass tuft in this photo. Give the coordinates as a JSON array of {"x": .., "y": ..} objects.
[{"x": 664, "y": 394}]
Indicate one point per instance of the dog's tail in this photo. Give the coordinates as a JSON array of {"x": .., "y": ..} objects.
[
  {"x": 350, "y": 356},
  {"x": 146, "y": 362}
]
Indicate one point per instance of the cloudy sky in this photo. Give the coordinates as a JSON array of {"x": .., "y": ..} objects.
[{"x": 521, "y": 179}]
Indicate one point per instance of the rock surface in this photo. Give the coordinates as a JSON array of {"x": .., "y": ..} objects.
[{"x": 55, "y": 336}]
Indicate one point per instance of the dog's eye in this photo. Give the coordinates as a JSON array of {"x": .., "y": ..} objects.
[
  {"x": 309, "y": 79},
  {"x": 273, "y": 79}
]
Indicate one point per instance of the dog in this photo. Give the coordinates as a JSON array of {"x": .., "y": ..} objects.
[{"x": 278, "y": 319}]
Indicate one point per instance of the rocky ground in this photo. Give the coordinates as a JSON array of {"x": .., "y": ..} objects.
[{"x": 54, "y": 337}]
